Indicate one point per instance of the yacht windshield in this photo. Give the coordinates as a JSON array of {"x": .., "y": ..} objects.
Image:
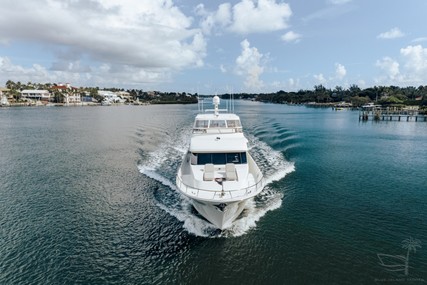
[
  {"x": 201, "y": 124},
  {"x": 220, "y": 158},
  {"x": 233, "y": 124},
  {"x": 217, "y": 124}
]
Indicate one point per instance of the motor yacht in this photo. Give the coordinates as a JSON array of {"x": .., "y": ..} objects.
[{"x": 217, "y": 173}]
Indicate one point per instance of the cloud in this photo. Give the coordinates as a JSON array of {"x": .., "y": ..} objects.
[
  {"x": 418, "y": 40},
  {"x": 291, "y": 37},
  {"x": 249, "y": 65},
  {"x": 390, "y": 69},
  {"x": 259, "y": 16},
  {"x": 330, "y": 12},
  {"x": 394, "y": 33},
  {"x": 340, "y": 71},
  {"x": 410, "y": 70},
  {"x": 245, "y": 17},
  {"x": 415, "y": 58},
  {"x": 104, "y": 75},
  {"x": 320, "y": 78},
  {"x": 154, "y": 36},
  {"x": 214, "y": 20}
]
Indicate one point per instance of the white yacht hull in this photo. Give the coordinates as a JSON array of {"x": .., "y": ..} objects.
[
  {"x": 218, "y": 174},
  {"x": 220, "y": 215}
]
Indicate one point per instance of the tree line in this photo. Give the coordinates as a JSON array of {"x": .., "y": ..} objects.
[
  {"x": 153, "y": 97},
  {"x": 383, "y": 95}
]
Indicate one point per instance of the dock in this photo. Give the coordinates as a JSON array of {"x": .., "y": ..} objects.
[{"x": 385, "y": 114}]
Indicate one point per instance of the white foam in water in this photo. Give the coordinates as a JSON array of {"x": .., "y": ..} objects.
[
  {"x": 192, "y": 223},
  {"x": 151, "y": 172},
  {"x": 253, "y": 214},
  {"x": 272, "y": 162}
]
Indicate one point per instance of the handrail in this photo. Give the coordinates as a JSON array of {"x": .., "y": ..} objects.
[
  {"x": 204, "y": 130},
  {"x": 257, "y": 185}
]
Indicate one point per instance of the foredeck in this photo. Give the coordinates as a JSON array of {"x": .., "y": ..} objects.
[{"x": 247, "y": 183}]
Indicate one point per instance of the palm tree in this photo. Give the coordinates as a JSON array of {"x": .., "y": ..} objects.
[{"x": 410, "y": 244}]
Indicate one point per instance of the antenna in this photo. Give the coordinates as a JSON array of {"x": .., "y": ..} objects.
[{"x": 216, "y": 101}]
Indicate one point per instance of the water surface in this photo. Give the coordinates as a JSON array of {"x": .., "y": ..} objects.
[{"x": 87, "y": 196}]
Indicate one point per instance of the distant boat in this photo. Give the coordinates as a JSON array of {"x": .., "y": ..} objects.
[
  {"x": 370, "y": 106},
  {"x": 4, "y": 102},
  {"x": 106, "y": 102},
  {"x": 217, "y": 173}
]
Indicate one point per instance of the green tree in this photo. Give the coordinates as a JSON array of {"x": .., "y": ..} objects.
[{"x": 392, "y": 100}]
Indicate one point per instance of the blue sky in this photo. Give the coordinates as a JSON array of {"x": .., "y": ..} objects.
[{"x": 214, "y": 46}]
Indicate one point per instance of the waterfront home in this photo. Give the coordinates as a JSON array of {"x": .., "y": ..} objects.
[
  {"x": 69, "y": 93},
  {"x": 124, "y": 95},
  {"x": 39, "y": 95},
  {"x": 110, "y": 96},
  {"x": 72, "y": 98}
]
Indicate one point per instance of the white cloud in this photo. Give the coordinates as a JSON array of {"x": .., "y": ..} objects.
[
  {"x": 245, "y": 17},
  {"x": 152, "y": 36},
  {"x": 390, "y": 69},
  {"x": 415, "y": 58},
  {"x": 293, "y": 84},
  {"x": 214, "y": 20},
  {"x": 330, "y": 12},
  {"x": 410, "y": 70},
  {"x": 394, "y": 33},
  {"x": 258, "y": 16},
  {"x": 222, "y": 68},
  {"x": 320, "y": 78},
  {"x": 104, "y": 75},
  {"x": 291, "y": 37},
  {"x": 418, "y": 40},
  {"x": 340, "y": 71},
  {"x": 249, "y": 65}
]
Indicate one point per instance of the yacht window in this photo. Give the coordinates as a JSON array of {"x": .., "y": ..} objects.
[
  {"x": 217, "y": 124},
  {"x": 233, "y": 123},
  {"x": 201, "y": 124},
  {"x": 220, "y": 158}
]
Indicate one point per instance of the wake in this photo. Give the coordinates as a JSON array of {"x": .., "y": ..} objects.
[{"x": 162, "y": 164}]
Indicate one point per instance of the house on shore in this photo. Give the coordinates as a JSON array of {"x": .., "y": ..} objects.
[
  {"x": 38, "y": 95},
  {"x": 124, "y": 95},
  {"x": 110, "y": 96},
  {"x": 70, "y": 94}
]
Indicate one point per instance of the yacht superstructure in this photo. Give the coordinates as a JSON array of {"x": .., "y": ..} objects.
[{"x": 217, "y": 173}]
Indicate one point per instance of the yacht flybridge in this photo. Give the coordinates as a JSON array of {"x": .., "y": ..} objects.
[{"x": 218, "y": 174}]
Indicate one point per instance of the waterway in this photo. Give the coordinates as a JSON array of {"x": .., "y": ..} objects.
[{"x": 87, "y": 196}]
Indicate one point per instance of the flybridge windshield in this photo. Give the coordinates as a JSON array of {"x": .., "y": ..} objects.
[
  {"x": 217, "y": 124},
  {"x": 218, "y": 158}
]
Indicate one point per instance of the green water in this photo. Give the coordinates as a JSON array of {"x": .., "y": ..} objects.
[{"x": 87, "y": 196}]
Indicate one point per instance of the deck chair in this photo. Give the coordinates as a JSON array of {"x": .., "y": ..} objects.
[
  {"x": 230, "y": 172},
  {"x": 208, "y": 174}
]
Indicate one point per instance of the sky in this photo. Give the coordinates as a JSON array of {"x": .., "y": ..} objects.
[{"x": 253, "y": 46}]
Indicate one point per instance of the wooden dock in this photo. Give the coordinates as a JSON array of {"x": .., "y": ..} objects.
[{"x": 392, "y": 115}]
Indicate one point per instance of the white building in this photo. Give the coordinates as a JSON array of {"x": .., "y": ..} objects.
[
  {"x": 72, "y": 98},
  {"x": 36, "y": 94},
  {"x": 110, "y": 96},
  {"x": 71, "y": 95},
  {"x": 124, "y": 95}
]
